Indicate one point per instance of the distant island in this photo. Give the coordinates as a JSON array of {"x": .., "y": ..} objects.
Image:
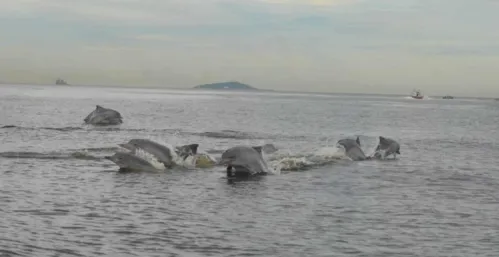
[
  {"x": 226, "y": 85},
  {"x": 61, "y": 82}
]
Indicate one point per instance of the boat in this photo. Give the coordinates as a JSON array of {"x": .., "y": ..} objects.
[
  {"x": 448, "y": 97},
  {"x": 416, "y": 94},
  {"x": 61, "y": 82}
]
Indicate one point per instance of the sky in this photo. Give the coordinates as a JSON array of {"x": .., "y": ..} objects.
[{"x": 353, "y": 46}]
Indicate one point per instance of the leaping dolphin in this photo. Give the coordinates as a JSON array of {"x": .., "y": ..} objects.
[
  {"x": 388, "y": 146},
  {"x": 160, "y": 152},
  {"x": 103, "y": 116},
  {"x": 353, "y": 150},
  {"x": 130, "y": 162},
  {"x": 245, "y": 160}
]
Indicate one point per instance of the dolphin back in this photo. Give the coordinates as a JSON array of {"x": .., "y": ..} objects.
[
  {"x": 103, "y": 116},
  {"x": 246, "y": 159}
]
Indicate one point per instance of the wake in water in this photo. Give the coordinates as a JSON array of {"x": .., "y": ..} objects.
[
  {"x": 424, "y": 98},
  {"x": 300, "y": 162},
  {"x": 278, "y": 160},
  {"x": 80, "y": 155}
]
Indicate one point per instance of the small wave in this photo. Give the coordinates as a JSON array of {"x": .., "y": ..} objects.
[
  {"x": 52, "y": 156},
  {"x": 134, "y": 129},
  {"x": 96, "y": 149},
  {"x": 232, "y": 134},
  {"x": 65, "y": 129},
  {"x": 39, "y": 128}
]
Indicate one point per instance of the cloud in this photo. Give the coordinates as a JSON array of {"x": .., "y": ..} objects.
[
  {"x": 309, "y": 2},
  {"x": 340, "y": 45},
  {"x": 159, "y": 12}
]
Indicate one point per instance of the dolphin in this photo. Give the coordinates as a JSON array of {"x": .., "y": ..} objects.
[
  {"x": 246, "y": 160},
  {"x": 103, "y": 116},
  {"x": 185, "y": 151},
  {"x": 389, "y": 146},
  {"x": 130, "y": 162},
  {"x": 269, "y": 148},
  {"x": 266, "y": 148},
  {"x": 159, "y": 151},
  {"x": 352, "y": 149}
]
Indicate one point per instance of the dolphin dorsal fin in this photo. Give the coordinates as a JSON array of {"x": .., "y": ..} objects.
[
  {"x": 98, "y": 107},
  {"x": 258, "y": 149},
  {"x": 358, "y": 140},
  {"x": 194, "y": 148}
]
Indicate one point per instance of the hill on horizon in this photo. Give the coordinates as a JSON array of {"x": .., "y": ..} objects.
[{"x": 226, "y": 85}]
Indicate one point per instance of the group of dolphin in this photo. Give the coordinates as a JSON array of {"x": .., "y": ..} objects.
[
  {"x": 240, "y": 160},
  {"x": 386, "y": 147}
]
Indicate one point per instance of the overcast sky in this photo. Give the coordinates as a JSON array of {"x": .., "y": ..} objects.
[{"x": 369, "y": 46}]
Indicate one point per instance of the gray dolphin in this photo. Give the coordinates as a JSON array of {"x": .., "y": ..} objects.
[
  {"x": 353, "y": 150},
  {"x": 185, "y": 151},
  {"x": 389, "y": 146},
  {"x": 159, "y": 151},
  {"x": 269, "y": 148},
  {"x": 130, "y": 162},
  {"x": 103, "y": 116},
  {"x": 246, "y": 161},
  {"x": 266, "y": 148}
]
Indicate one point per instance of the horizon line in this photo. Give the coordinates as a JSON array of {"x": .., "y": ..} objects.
[{"x": 255, "y": 90}]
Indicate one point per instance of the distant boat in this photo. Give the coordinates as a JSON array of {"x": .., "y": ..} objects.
[
  {"x": 448, "y": 97},
  {"x": 61, "y": 82},
  {"x": 416, "y": 94}
]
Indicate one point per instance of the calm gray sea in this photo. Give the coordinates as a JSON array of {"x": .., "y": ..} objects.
[{"x": 59, "y": 197}]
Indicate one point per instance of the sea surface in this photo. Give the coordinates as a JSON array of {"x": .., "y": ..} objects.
[{"x": 60, "y": 197}]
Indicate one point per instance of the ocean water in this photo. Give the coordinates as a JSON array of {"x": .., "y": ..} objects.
[{"x": 59, "y": 197}]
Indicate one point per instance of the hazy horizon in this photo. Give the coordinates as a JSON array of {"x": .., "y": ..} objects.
[{"x": 338, "y": 46}]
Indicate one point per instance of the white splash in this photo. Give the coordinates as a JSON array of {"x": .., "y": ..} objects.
[
  {"x": 289, "y": 164},
  {"x": 150, "y": 158},
  {"x": 330, "y": 153},
  {"x": 295, "y": 162}
]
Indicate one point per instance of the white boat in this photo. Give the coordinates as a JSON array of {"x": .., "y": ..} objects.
[{"x": 416, "y": 94}]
